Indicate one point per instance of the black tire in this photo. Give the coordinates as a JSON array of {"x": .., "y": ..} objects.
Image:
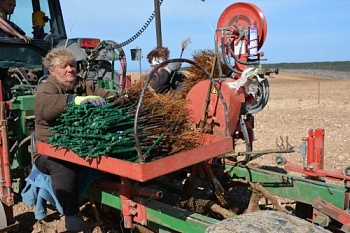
[
  {"x": 265, "y": 221},
  {"x": 3, "y": 217}
]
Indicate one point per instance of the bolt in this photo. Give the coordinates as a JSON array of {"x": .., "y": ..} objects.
[
  {"x": 132, "y": 204},
  {"x": 143, "y": 222},
  {"x": 311, "y": 167},
  {"x": 133, "y": 212}
]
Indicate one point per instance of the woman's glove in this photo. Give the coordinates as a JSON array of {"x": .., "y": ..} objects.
[{"x": 92, "y": 99}]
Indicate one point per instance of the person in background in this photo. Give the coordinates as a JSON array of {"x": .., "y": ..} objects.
[
  {"x": 166, "y": 78},
  {"x": 61, "y": 88},
  {"x": 7, "y": 28}
]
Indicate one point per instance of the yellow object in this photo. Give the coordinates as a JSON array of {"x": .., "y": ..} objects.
[
  {"x": 93, "y": 99},
  {"x": 38, "y": 19}
]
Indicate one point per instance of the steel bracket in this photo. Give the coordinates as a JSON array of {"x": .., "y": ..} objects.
[
  {"x": 132, "y": 209},
  {"x": 324, "y": 210}
]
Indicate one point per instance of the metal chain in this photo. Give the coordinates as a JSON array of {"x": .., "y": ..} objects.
[{"x": 143, "y": 28}]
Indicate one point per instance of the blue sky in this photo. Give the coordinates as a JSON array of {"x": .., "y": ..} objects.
[{"x": 298, "y": 30}]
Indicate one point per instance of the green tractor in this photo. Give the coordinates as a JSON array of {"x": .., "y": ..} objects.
[{"x": 21, "y": 70}]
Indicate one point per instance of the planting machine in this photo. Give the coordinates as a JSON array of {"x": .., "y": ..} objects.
[{"x": 152, "y": 194}]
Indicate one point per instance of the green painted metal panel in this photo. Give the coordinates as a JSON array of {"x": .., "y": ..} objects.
[
  {"x": 25, "y": 103},
  {"x": 17, "y": 129},
  {"x": 162, "y": 217},
  {"x": 158, "y": 213},
  {"x": 177, "y": 219},
  {"x": 105, "y": 197},
  {"x": 292, "y": 187}
]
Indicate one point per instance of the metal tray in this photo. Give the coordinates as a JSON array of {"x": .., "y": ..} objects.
[{"x": 213, "y": 146}]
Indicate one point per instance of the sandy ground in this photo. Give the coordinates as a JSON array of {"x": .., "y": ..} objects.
[{"x": 297, "y": 104}]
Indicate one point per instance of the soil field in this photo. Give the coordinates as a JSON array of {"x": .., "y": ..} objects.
[{"x": 297, "y": 104}]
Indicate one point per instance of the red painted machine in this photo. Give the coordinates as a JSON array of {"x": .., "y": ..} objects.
[
  {"x": 222, "y": 109},
  {"x": 220, "y": 106},
  {"x": 226, "y": 106}
]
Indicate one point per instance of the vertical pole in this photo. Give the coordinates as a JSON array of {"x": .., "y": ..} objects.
[
  {"x": 140, "y": 68},
  {"x": 125, "y": 195},
  {"x": 140, "y": 64},
  {"x": 318, "y": 92},
  {"x": 319, "y": 148},
  {"x": 158, "y": 23}
]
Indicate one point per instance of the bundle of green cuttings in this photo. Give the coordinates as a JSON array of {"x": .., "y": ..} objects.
[{"x": 108, "y": 130}]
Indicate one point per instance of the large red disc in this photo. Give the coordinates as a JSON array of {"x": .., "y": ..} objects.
[{"x": 241, "y": 14}]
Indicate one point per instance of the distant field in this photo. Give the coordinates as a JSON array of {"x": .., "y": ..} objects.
[{"x": 321, "y": 73}]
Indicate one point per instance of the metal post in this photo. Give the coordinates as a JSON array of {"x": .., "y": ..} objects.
[
  {"x": 136, "y": 55},
  {"x": 158, "y": 23},
  {"x": 140, "y": 62}
]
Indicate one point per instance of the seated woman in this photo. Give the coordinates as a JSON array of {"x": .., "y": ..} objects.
[
  {"x": 7, "y": 28},
  {"x": 166, "y": 78}
]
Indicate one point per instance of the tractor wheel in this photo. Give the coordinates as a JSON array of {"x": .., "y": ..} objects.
[
  {"x": 265, "y": 221},
  {"x": 3, "y": 217}
]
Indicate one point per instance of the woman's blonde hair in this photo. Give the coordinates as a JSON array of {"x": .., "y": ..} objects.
[{"x": 58, "y": 56}]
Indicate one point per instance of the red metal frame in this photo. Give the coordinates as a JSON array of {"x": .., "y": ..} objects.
[
  {"x": 314, "y": 167},
  {"x": 6, "y": 184},
  {"x": 127, "y": 84},
  {"x": 132, "y": 208},
  {"x": 5, "y": 169},
  {"x": 131, "y": 199},
  {"x": 6, "y": 194},
  {"x": 214, "y": 146},
  {"x": 325, "y": 209}
]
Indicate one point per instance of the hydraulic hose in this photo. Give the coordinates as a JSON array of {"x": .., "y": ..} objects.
[
  {"x": 143, "y": 28},
  {"x": 264, "y": 89}
]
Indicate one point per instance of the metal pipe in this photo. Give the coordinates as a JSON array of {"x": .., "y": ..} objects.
[
  {"x": 5, "y": 165},
  {"x": 158, "y": 23}
]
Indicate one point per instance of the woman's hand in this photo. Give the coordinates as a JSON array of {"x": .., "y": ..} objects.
[{"x": 27, "y": 39}]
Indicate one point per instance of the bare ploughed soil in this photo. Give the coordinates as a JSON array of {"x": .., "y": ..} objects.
[{"x": 297, "y": 104}]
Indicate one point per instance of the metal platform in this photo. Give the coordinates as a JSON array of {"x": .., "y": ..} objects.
[{"x": 213, "y": 146}]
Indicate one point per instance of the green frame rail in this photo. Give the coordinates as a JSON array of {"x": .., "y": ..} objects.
[
  {"x": 165, "y": 218},
  {"x": 292, "y": 187},
  {"x": 21, "y": 162},
  {"x": 161, "y": 217}
]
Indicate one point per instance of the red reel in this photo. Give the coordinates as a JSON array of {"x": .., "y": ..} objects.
[{"x": 239, "y": 16}]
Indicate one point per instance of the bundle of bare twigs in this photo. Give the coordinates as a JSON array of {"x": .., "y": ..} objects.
[
  {"x": 207, "y": 59},
  {"x": 163, "y": 118}
]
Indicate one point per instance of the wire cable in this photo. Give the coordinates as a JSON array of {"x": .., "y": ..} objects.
[
  {"x": 205, "y": 18},
  {"x": 71, "y": 27}
]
